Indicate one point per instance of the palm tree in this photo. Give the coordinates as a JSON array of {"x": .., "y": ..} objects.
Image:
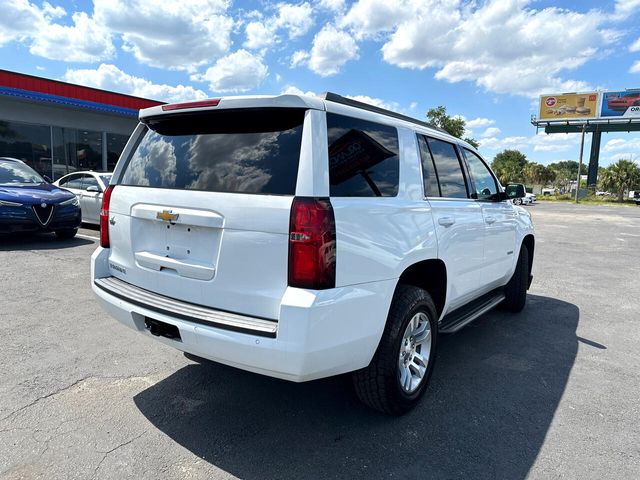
[{"x": 622, "y": 175}]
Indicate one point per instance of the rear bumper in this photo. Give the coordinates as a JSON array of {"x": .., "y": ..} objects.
[{"x": 317, "y": 333}]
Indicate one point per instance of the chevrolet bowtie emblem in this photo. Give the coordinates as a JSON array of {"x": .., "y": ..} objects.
[{"x": 167, "y": 216}]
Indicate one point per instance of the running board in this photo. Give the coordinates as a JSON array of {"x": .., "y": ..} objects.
[{"x": 454, "y": 321}]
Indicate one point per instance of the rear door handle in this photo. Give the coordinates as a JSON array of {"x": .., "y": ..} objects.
[
  {"x": 446, "y": 221},
  {"x": 490, "y": 220}
]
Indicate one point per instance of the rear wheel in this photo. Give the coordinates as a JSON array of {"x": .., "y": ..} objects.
[
  {"x": 401, "y": 368},
  {"x": 516, "y": 290},
  {"x": 69, "y": 233}
]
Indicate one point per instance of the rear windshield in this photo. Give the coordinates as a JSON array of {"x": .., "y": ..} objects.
[{"x": 238, "y": 151}]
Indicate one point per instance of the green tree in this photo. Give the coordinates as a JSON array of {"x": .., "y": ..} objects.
[
  {"x": 622, "y": 175},
  {"x": 453, "y": 125},
  {"x": 509, "y": 166},
  {"x": 538, "y": 174},
  {"x": 566, "y": 171}
]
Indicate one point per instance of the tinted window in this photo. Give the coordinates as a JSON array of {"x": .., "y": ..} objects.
[
  {"x": 429, "y": 176},
  {"x": 89, "y": 181},
  {"x": 483, "y": 182},
  {"x": 450, "y": 176},
  {"x": 105, "y": 179},
  {"x": 72, "y": 181},
  {"x": 363, "y": 158},
  {"x": 241, "y": 151}
]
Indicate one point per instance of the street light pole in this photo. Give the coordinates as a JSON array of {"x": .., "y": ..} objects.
[{"x": 584, "y": 127}]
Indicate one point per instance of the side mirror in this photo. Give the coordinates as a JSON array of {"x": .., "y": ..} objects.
[
  {"x": 48, "y": 179},
  {"x": 93, "y": 188},
  {"x": 516, "y": 190}
]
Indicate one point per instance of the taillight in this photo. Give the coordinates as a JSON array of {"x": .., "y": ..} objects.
[
  {"x": 200, "y": 103},
  {"x": 312, "y": 244},
  {"x": 104, "y": 217}
]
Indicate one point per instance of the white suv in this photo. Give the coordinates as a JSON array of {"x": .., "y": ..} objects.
[{"x": 302, "y": 237}]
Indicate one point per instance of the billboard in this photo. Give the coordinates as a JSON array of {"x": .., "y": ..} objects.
[
  {"x": 571, "y": 106},
  {"x": 625, "y": 104}
]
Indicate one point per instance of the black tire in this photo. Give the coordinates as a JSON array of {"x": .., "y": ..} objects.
[
  {"x": 65, "y": 234},
  {"x": 516, "y": 290},
  {"x": 378, "y": 385}
]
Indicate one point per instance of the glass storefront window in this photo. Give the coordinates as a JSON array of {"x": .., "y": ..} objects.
[
  {"x": 115, "y": 145},
  {"x": 57, "y": 151},
  {"x": 75, "y": 150},
  {"x": 29, "y": 143}
]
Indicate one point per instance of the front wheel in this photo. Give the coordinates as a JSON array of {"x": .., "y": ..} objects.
[
  {"x": 65, "y": 234},
  {"x": 400, "y": 370}
]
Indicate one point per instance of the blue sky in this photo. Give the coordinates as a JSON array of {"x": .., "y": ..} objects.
[{"x": 485, "y": 60}]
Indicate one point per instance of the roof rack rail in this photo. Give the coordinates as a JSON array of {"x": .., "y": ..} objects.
[{"x": 334, "y": 97}]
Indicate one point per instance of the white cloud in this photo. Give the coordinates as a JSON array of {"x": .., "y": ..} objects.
[
  {"x": 491, "y": 132},
  {"x": 295, "y": 20},
  {"x": 177, "y": 35},
  {"x": 299, "y": 58},
  {"x": 259, "y": 36},
  {"x": 478, "y": 122},
  {"x": 635, "y": 46},
  {"x": 624, "y": 9},
  {"x": 635, "y": 67},
  {"x": 376, "y": 102},
  {"x": 504, "y": 46},
  {"x": 237, "y": 72},
  {"x": 366, "y": 18},
  {"x": 333, "y": 5},
  {"x": 53, "y": 12},
  {"x": 293, "y": 90},
  {"x": 330, "y": 50},
  {"x": 620, "y": 144},
  {"x": 536, "y": 143},
  {"x": 83, "y": 40},
  {"x": 110, "y": 77}
]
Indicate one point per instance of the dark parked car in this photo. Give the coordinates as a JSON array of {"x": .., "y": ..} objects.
[{"x": 29, "y": 203}]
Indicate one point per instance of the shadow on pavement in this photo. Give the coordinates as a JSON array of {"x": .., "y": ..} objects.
[
  {"x": 492, "y": 398},
  {"x": 39, "y": 241}
]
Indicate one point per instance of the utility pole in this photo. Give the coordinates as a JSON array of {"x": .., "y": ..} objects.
[{"x": 584, "y": 127}]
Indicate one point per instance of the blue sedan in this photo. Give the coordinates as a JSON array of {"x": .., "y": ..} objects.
[{"x": 29, "y": 203}]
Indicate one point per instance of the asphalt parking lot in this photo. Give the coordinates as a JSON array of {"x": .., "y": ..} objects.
[{"x": 553, "y": 392}]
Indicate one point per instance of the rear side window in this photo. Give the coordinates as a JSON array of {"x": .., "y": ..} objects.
[
  {"x": 450, "y": 176},
  {"x": 239, "y": 151},
  {"x": 363, "y": 158},
  {"x": 429, "y": 175},
  {"x": 73, "y": 181}
]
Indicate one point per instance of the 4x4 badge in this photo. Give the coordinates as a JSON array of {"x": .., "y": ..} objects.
[{"x": 167, "y": 216}]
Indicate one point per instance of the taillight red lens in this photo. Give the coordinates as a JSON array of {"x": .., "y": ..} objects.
[
  {"x": 104, "y": 217},
  {"x": 312, "y": 244},
  {"x": 200, "y": 103}
]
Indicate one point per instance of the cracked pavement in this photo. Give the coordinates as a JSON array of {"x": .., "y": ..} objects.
[{"x": 552, "y": 392}]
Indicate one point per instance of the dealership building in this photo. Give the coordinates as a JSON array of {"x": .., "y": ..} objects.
[{"x": 58, "y": 128}]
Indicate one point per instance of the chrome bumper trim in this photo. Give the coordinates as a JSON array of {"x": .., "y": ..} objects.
[{"x": 187, "y": 311}]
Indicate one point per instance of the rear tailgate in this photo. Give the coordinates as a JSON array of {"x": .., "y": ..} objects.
[{"x": 200, "y": 211}]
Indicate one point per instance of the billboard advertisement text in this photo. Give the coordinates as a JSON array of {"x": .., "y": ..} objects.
[{"x": 570, "y": 106}]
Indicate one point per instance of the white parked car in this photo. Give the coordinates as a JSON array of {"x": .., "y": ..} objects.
[
  {"x": 303, "y": 237},
  {"x": 88, "y": 187}
]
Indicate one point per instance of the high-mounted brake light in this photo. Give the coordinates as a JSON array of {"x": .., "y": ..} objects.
[
  {"x": 201, "y": 103},
  {"x": 312, "y": 244},
  {"x": 104, "y": 217}
]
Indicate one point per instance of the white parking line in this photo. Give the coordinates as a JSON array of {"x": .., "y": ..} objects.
[{"x": 88, "y": 237}]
